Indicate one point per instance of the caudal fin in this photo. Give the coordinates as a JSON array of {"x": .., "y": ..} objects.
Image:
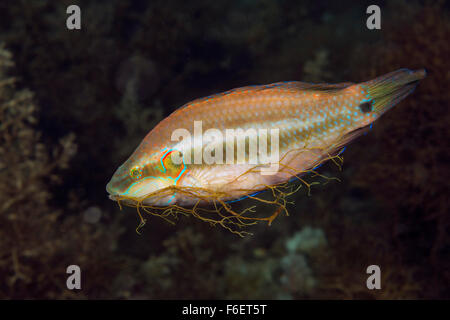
[{"x": 389, "y": 89}]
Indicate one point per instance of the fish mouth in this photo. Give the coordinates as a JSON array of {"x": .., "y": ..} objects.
[
  {"x": 118, "y": 197},
  {"x": 120, "y": 200},
  {"x": 113, "y": 197}
]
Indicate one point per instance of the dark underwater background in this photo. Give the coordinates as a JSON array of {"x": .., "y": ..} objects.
[{"x": 75, "y": 104}]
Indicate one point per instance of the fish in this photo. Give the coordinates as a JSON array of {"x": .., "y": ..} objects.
[{"x": 303, "y": 125}]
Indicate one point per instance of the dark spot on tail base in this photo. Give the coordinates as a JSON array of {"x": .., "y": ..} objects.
[{"x": 366, "y": 107}]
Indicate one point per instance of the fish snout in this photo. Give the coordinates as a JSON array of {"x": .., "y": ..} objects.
[
  {"x": 112, "y": 193},
  {"x": 115, "y": 187},
  {"x": 109, "y": 188},
  {"x": 119, "y": 182}
]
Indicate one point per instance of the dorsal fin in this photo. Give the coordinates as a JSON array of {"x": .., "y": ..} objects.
[
  {"x": 298, "y": 85},
  {"x": 285, "y": 85}
]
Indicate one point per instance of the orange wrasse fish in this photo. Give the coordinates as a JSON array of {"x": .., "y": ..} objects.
[{"x": 302, "y": 124}]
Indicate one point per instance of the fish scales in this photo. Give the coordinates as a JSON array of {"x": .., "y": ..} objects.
[{"x": 297, "y": 114}]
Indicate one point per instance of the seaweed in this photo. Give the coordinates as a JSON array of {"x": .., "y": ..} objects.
[{"x": 39, "y": 241}]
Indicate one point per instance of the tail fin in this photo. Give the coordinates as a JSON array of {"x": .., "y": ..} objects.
[{"x": 388, "y": 90}]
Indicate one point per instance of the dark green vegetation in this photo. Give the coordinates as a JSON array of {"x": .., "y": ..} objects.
[{"x": 98, "y": 91}]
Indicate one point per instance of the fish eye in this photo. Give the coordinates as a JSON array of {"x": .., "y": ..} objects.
[{"x": 136, "y": 173}]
